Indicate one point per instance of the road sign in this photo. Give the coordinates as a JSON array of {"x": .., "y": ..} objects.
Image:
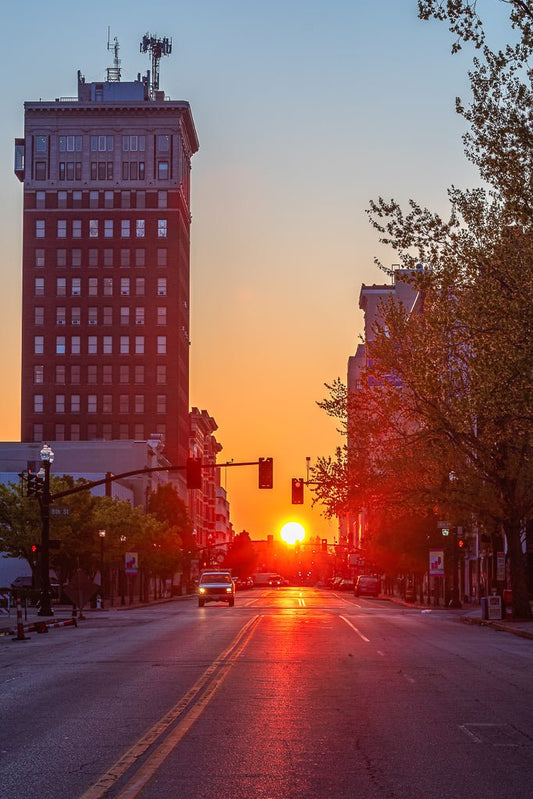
[
  {"x": 131, "y": 562},
  {"x": 443, "y": 525},
  {"x": 57, "y": 510}
]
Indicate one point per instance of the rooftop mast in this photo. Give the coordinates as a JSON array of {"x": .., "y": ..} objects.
[
  {"x": 158, "y": 48},
  {"x": 113, "y": 73}
]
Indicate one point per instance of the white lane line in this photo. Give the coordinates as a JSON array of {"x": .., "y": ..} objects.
[
  {"x": 359, "y": 633},
  {"x": 301, "y": 602}
]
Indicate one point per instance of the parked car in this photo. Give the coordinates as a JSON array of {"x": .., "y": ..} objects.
[
  {"x": 275, "y": 581},
  {"x": 367, "y": 585},
  {"x": 345, "y": 584}
]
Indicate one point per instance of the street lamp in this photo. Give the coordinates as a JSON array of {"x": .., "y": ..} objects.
[
  {"x": 101, "y": 533},
  {"x": 47, "y": 458}
]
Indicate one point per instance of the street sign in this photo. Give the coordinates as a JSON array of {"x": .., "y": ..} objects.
[
  {"x": 436, "y": 562},
  {"x": 443, "y": 525},
  {"x": 57, "y": 510},
  {"x": 131, "y": 562}
]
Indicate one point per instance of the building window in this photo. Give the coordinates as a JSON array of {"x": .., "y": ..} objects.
[
  {"x": 38, "y": 345},
  {"x": 92, "y": 403},
  {"x": 108, "y": 228},
  {"x": 133, "y": 144},
  {"x": 60, "y": 345},
  {"x": 161, "y": 345},
  {"x": 93, "y": 257},
  {"x": 92, "y": 345},
  {"x": 124, "y": 345},
  {"x": 39, "y": 257},
  {"x": 93, "y": 228},
  {"x": 162, "y": 199},
  {"x": 125, "y": 228},
  {"x": 138, "y": 432},
  {"x": 92, "y": 287},
  {"x": 92, "y": 315},
  {"x": 59, "y": 434},
  {"x": 75, "y": 375},
  {"x": 40, "y": 170},
  {"x": 74, "y": 432},
  {"x": 139, "y": 403},
  {"x": 38, "y": 403},
  {"x": 108, "y": 257},
  {"x": 94, "y": 199},
  {"x": 139, "y": 375},
  {"x": 124, "y": 403},
  {"x": 61, "y": 228},
  {"x": 61, "y": 315},
  {"x": 108, "y": 286},
  {"x": 70, "y": 144},
  {"x": 92, "y": 375},
  {"x": 162, "y": 170},
  {"x": 60, "y": 403},
  {"x": 75, "y": 316},
  {"x": 125, "y": 199},
  {"x": 76, "y": 228},
  {"x": 38, "y": 315},
  {"x": 161, "y": 374},
  {"x": 124, "y": 257},
  {"x": 139, "y": 315},
  {"x": 139, "y": 345},
  {"x": 108, "y": 199},
  {"x": 61, "y": 375},
  {"x": 107, "y": 345},
  {"x": 75, "y": 406},
  {"x": 102, "y": 144},
  {"x": 107, "y": 315},
  {"x": 40, "y": 229},
  {"x": 40, "y": 199},
  {"x": 61, "y": 257},
  {"x": 76, "y": 257},
  {"x": 162, "y": 228},
  {"x": 107, "y": 432},
  {"x": 107, "y": 374},
  {"x": 41, "y": 144},
  {"x": 76, "y": 287},
  {"x": 61, "y": 199},
  {"x": 140, "y": 257},
  {"x": 75, "y": 345},
  {"x": 61, "y": 287},
  {"x": 124, "y": 375},
  {"x": 123, "y": 432},
  {"x": 38, "y": 373},
  {"x": 161, "y": 287},
  {"x": 139, "y": 228},
  {"x": 161, "y": 403},
  {"x": 38, "y": 432},
  {"x": 76, "y": 199},
  {"x": 140, "y": 286},
  {"x": 162, "y": 315},
  {"x": 124, "y": 316},
  {"x": 140, "y": 197},
  {"x": 107, "y": 403},
  {"x": 124, "y": 286}
]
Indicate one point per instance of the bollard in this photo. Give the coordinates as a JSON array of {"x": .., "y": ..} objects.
[{"x": 20, "y": 625}]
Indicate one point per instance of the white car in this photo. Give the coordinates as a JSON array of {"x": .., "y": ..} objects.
[{"x": 216, "y": 587}]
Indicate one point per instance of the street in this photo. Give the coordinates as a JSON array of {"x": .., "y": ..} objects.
[{"x": 295, "y": 692}]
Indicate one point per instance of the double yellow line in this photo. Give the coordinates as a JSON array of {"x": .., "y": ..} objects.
[{"x": 189, "y": 708}]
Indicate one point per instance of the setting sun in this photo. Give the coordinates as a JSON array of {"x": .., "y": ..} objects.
[{"x": 292, "y": 532}]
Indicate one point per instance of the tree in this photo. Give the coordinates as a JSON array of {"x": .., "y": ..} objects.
[
  {"x": 20, "y": 525},
  {"x": 241, "y": 556}
]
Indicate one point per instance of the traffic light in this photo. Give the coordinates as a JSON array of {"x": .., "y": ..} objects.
[
  {"x": 34, "y": 485},
  {"x": 194, "y": 473},
  {"x": 461, "y": 543},
  {"x": 266, "y": 469},
  {"x": 297, "y": 490},
  {"x": 324, "y": 545}
]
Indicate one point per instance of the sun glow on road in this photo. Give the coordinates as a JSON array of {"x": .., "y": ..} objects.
[{"x": 292, "y": 532}]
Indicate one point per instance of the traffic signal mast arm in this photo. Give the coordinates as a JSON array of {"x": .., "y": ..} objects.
[{"x": 111, "y": 477}]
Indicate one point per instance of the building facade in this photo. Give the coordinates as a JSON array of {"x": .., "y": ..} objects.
[{"x": 105, "y": 266}]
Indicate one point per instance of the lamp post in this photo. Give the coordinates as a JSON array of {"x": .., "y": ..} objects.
[
  {"x": 47, "y": 458},
  {"x": 101, "y": 533}
]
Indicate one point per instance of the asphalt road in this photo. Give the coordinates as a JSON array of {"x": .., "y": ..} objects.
[{"x": 294, "y": 693}]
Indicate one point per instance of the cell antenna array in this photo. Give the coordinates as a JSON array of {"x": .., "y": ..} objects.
[
  {"x": 113, "y": 73},
  {"x": 158, "y": 48}
]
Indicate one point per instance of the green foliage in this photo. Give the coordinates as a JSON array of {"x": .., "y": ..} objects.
[{"x": 241, "y": 557}]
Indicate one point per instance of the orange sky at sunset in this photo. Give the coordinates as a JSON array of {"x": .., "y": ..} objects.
[{"x": 304, "y": 110}]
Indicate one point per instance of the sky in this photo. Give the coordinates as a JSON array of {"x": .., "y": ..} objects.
[{"x": 305, "y": 111}]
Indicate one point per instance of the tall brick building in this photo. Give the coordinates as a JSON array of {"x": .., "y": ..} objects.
[{"x": 106, "y": 221}]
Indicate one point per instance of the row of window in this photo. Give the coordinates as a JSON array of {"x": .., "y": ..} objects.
[
  {"x": 96, "y": 345},
  {"x": 95, "y": 403},
  {"x": 96, "y": 287},
  {"x": 95, "y": 257},
  {"x": 102, "y": 143},
  {"x": 103, "y": 316},
  {"x": 98, "y": 374},
  {"x": 76, "y": 228},
  {"x": 99, "y": 199},
  {"x": 92, "y": 432}
]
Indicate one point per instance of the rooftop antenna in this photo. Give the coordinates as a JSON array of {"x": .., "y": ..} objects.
[
  {"x": 113, "y": 73},
  {"x": 158, "y": 48}
]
